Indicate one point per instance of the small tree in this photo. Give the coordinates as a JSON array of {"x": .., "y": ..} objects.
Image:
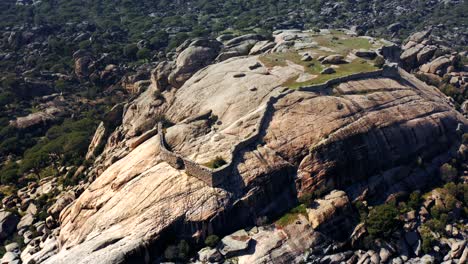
[
  {"x": 211, "y": 241},
  {"x": 379, "y": 62},
  {"x": 143, "y": 54},
  {"x": 448, "y": 173},
  {"x": 382, "y": 221},
  {"x": 130, "y": 51}
]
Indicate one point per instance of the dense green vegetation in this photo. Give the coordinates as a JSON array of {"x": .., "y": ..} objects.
[{"x": 63, "y": 145}]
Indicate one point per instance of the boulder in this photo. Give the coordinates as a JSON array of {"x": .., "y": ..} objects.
[
  {"x": 409, "y": 56},
  {"x": 210, "y": 255},
  {"x": 367, "y": 54},
  {"x": 32, "y": 209},
  {"x": 36, "y": 119},
  {"x": 438, "y": 66},
  {"x": 332, "y": 214},
  {"x": 84, "y": 66},
  {"x": 464, "y": 107},
  {"x": 12, "y": 247},
  {"x": 8, "y": 222},
  {"x": 196, "y": 56},
  {"x": 50, "y": 222},
  {"x": 62, "y": 201},
  {"x": 426, "y": 54},
  {"x": 97, "y": 141},
  {"x": 160, "y": 75},
  {"x": 457, "y": 249},
  {"x": 26, "y": 221},
  {"x": 235, "y": 244},
  {"x": 10, "y": 258},
  {"x": 328, "y": 70},
  {"x": 391, "y": 52},
  {"x": 262, "y": 47},
  {"x": 418, "y": 37},
  {"x": 333, "y": 59},
  {"x": 243, "y": 45}
]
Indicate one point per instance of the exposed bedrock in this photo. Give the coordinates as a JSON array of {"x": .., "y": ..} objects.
[{"x": 354, "y": 136}]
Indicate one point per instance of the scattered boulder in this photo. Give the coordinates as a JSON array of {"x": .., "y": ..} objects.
[
  {"x": 241, "y": 46},
  {"x": 328, "y": 70},
  {"x": 210, "y": 255},
  {"x": 367, "y": 54},
  {"x": 8, "y": 222},
  {"x": 332, "y": 214},
  {"x": 262, "y": 47},
  {"x": 12, "y": 247},
  {"x": 26, "y": 221},
  {"x": 437, "y": 66},
  {"x": 409, "y": 56},
  {"x": 62, "y": 201},
  {"x": 333, "y": 59},
  {"x": 457, "y": 249},
  {"x": 426, "y": 54},
  {"x": 84, "y": 64},
  {"x": 418, "y": 37},
  {"x": 235, "y": 244},
  {"x": 10, "y": 258},
  {"x": 40, "y": 118},
  {"x": 197, "y": 55},
  {"x": 395, "y": 27},
  {"x": 306, "y": 57}
]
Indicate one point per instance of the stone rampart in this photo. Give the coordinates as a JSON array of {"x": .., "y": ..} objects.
[{"x": 217, "y": 177}]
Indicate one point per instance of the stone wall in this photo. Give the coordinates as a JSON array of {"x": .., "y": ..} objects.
[
  {"x": 212, "y": 177},
  {"x": 218, "y": 177},
  {"x": 387, "y": 71}
]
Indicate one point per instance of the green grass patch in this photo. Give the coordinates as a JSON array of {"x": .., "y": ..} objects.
[
  {"x": 314, "y": 67},
  {"x": 290, "y": 217},
  {"x": 340, "y": 43}
]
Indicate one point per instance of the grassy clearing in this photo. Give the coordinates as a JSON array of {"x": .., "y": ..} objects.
[
  {"x": 337, "y": 41},
  {"x": 314, "y": 67}
]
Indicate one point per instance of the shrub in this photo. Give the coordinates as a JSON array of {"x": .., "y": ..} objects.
[
  {"x": 448, "y": 172},
  {"x": 292, "y": 215},
  {"x": 130, "y": 51},
  {"x": 382, "y": 221},
  {"x": 211, "y": 241},
  {"x": 414, "y": 200},
  {"x": 217, "y": 162},
  {"x": 379, "y": 62},
  {"x": 427, "y": 239},
  {"x": 465, "y": 138},
  {"x": 143, "y": 54},
  {"x": 85, "y": 44}
]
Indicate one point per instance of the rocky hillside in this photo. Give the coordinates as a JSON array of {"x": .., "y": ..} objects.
[{"x": 312, "y": 131}]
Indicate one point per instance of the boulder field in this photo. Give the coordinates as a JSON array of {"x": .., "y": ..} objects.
[{"x": 362, "y": 135}]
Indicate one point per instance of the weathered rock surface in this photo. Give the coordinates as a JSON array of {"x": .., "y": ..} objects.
[
  {"x": 332, "y": 214},
  {"x": 235, "y": 244},
  {"x": 362, "y": 135},
  {"x": 197, "y": 55},
  {"x": 38, "y": 118}
]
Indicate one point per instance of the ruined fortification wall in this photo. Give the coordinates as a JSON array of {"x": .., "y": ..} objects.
[
  {"x": 387, "y": 71},
  {"x": 217, "y": 177}
]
